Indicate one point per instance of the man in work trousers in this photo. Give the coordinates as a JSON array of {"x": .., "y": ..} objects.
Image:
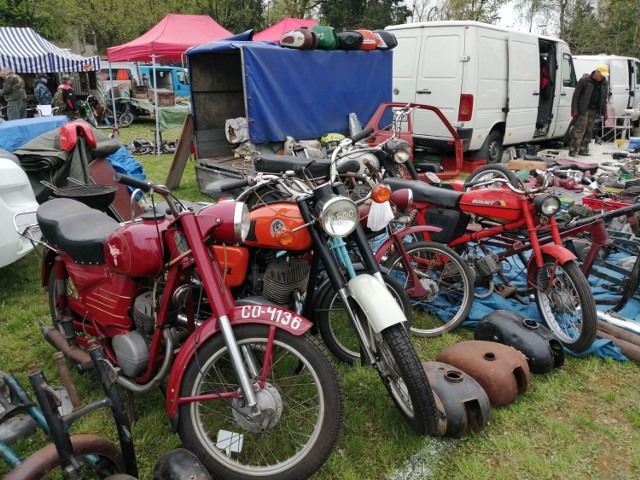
[
  {"x": 589, "y": 101},
  {"x": 14, "y": 94}
]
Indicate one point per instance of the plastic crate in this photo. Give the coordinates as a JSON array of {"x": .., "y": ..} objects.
[
  {"x": 592, "y": 201},
  {"x": 469, "y": 165},
  {"x": 208, "y": 171}
]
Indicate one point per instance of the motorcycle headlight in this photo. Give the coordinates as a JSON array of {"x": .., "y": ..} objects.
[
  {"x": 338, "y": 216},
  {"x": 400, "y": 150},
  {"x": 241, "y": 222},
  {"x": 547, "y": 205}
]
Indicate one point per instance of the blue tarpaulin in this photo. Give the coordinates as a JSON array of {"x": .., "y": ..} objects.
[
  {"x": 15, "y": 133},
  {"x": 299, "y": 93}
]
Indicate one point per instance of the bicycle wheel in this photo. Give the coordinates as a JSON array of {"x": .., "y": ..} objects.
[
  {"x": 443, "y": 298},
  {"x": 97, "y": 458},
  {"x": 125, "y": 119},
  {"x": 336, "y": 328},
  {"x": 302, "y": 403},
  {"x": 404, "y": 377},
  {"x": 565, "y": 303}
]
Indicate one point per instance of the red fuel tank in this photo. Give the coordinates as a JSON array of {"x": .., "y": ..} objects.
[
  {"x": 134, "y": 249},
  {"x": 500, "y": 204}
]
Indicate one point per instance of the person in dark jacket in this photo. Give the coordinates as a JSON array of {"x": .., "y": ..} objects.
[
  {"x": 65, "y": 99},
  {"x": 14, "y": 94},
  {"x": 41, "y": 90},
  {"x": 589, "y": 102}
]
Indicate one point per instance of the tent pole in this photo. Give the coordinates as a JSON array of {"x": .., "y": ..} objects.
[
  {"x": 113, "y": 100},
  {"x": 155, "y": 100}
]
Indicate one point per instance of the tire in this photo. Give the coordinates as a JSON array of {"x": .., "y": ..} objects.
[
  {"x": 449, "y": 282},
  {"x": 405, "y": 379},
  {"x": 336, "y": 328},
  {"x": 125, "y": 119},
  {"x": 90, "y": 117},
  {"x": 308, "y": 397},
  {"x": 52, "y": 289},
  {"x": 46, "y": 460},
  {"x": 568, "y": 308},
  {"x": 492, "y": 148},
  {"x": 489, "y": 172}
]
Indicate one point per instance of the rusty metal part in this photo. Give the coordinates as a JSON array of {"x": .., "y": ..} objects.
[
  {"x": 540, "y": 346},
  {"x": 501, "y": 370},
  {"x": 67, "y": 381},
  {"x": 629, "y": 349},
  {"x": 464, "y": 402},
  {"x": 55, "y": 338}
]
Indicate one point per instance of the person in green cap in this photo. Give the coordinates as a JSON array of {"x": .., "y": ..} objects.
[{"x": 589, "y": 102}]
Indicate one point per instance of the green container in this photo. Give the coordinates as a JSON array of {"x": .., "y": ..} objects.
[{"x": 327, "y": 37}]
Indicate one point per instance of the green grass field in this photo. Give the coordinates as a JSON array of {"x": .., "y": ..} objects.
[{"x": 581, "y": 421}]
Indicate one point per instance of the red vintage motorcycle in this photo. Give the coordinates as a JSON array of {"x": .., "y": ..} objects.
[
  {"x": 153, "y": 294},
  {"x": 494, "y": 224}
]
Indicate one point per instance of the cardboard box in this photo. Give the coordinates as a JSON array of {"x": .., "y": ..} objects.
[{"x": 520, "y": 164}]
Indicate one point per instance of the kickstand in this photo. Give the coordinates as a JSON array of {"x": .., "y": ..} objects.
[{"x": 131, "y": 407}]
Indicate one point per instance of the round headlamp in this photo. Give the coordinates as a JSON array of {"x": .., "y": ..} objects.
[
  {"x": 338, "y": 216},
  {"x": 547, "y": 205},
  {"x": 400, "y": 150},
  {"x": 241, "y": 222}
]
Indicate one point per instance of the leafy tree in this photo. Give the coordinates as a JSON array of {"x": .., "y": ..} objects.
[
  {"x": 479, "y": 10},
  {"x": 371, "y": 14},
  {"x": 41, "y": 16},
  {"x": 234, "y": 15}
]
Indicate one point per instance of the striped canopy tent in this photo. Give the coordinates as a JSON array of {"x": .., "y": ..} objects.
[{"x": 25, "y": 51}]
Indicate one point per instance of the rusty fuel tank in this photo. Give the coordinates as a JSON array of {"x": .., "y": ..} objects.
[
  {"x": 502, "y": 371},
  {"x": 463, "y": 401}
]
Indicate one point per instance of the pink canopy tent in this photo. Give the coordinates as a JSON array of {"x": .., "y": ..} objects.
[
  {"x": 169, "y": 39},
  {"x": 275, "y": 31}
]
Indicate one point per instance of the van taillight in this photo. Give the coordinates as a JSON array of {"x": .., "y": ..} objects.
[{"x": 466, "y": 108}]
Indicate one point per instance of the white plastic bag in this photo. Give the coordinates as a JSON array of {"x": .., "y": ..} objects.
[
  {"x": 380, "y": 214},
  {"x": 236, "y": 130}
]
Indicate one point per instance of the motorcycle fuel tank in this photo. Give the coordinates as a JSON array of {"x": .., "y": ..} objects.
[
  {"x": 500, "y": 204},
  {"x": 266, "y": 221},
  {"x": 134, "y": 249}
]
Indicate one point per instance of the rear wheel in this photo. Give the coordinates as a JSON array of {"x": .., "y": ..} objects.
[
  {"x": 439, "y": 283},
  {"x": 565, "y": 302},
  {"x": 489, "y": 172},
  {"x": 492, "y": 148},
  {"x": 301, "y": 401}
]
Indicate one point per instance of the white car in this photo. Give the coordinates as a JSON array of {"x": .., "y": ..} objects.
[{"x": 16, "y": 196}]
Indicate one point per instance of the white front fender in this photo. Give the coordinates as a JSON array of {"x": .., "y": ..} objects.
[{"x": 376, "y": 302}]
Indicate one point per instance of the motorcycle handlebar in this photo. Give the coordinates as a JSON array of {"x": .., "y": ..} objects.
[
  {"x": 362, "y": 134},
  {"x": 133, "y": 182},
  {"x": 233, "y": 184}
]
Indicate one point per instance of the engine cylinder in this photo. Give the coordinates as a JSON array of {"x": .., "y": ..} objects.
[{"x": 284, "y": 276}]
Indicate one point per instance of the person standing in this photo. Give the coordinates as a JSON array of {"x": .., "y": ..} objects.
[
  {"x": 14, "y": 93},
  {"x": 65, "y": 99},
  {"x": 589, "y": 101},
  {"x": 41, "y": 90}
]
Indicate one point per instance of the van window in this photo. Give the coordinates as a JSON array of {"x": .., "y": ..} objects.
[
  {"x": 637, "y": 66},
  {"x": 568, "y": 72},
  {"x": 116, "y": 73},
  {"x": 404, "y": 63},
  {"x": 446, "y": 66},
  {"x": 492, "y": 67},
  {"x": 182, "y": 77}
]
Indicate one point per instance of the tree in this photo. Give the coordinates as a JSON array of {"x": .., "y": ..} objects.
[
  {"x": 371, "y": 14},
  {"x": 479, "y": 10},
  {"x": 41, "y": 16}
]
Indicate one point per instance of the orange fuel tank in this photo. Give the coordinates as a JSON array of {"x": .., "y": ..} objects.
[{"x": 266, "y": 221}]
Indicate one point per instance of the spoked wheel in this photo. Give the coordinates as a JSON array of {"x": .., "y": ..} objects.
[
  {"x": 439, "y": 283},
  {"x": 97, "y": 458},
  {"x": 489, "y": 172},
  {"x": 54, "y": 289},
  {"x": 336, "y": 328},
  {"x": 125, "y": 119},
  {"x": 565, "y": 303},
  {"x": 301, "y": 402},
  {"x": 404, "y": 377}
]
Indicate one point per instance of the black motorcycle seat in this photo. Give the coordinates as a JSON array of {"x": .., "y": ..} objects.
[
  {"x": 76, "y": 229},
  {"x": 317, "y": 168},
  {"x": 425, "y": 193}
]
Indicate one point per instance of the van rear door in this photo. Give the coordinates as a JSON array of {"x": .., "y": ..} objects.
[
  {"x": 523, "y": 88},
  {"x": 619, "y": 80}
]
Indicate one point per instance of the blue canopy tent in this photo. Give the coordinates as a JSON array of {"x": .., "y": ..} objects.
[
  {"x": 281, "y": 91},
  {"x": 24, "y": 51}
]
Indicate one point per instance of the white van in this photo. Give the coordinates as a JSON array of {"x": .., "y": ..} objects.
[
  {"x": 624, "y": 81},
  {"x": 486, "y": 80}
]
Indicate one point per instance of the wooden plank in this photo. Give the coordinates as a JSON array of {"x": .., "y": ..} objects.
[{"x": 181, "y": 154}]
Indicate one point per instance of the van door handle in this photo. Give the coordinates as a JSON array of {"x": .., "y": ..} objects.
[
  {"x": 563, "y": 94},
  {"x": 535, "y": 94},
  {"x": 425, "y": 90}
]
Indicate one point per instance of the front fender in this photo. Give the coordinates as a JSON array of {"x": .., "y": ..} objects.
[
  {"x": 560, "y": 253},
  {"x": 261, "y": 314},
  {"x": 400, "y": 234},
  {"x": 376, "y": 302}
]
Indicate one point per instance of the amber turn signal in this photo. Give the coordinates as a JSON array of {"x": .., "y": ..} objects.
[
  {"x": 284, "y": 237},
  {"x": 381, "y": 193}
]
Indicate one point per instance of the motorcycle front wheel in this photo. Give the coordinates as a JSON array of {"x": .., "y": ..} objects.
[
  {"x": 404, "y": 377},
  {"x": 302, "y": 401},
  {"x": 448, "y": 284},
  {"x": 565, "y": 302},
  {"x": 336, "y": 328}
]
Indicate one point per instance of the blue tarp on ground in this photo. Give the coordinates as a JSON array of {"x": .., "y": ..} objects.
[{"x": 302, "y": 93}]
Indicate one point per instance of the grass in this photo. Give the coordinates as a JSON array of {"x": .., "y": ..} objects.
[{"x": 580, "y": 421}]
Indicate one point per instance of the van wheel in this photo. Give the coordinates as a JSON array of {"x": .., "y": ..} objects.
[{"x": 492, "y": 148}]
